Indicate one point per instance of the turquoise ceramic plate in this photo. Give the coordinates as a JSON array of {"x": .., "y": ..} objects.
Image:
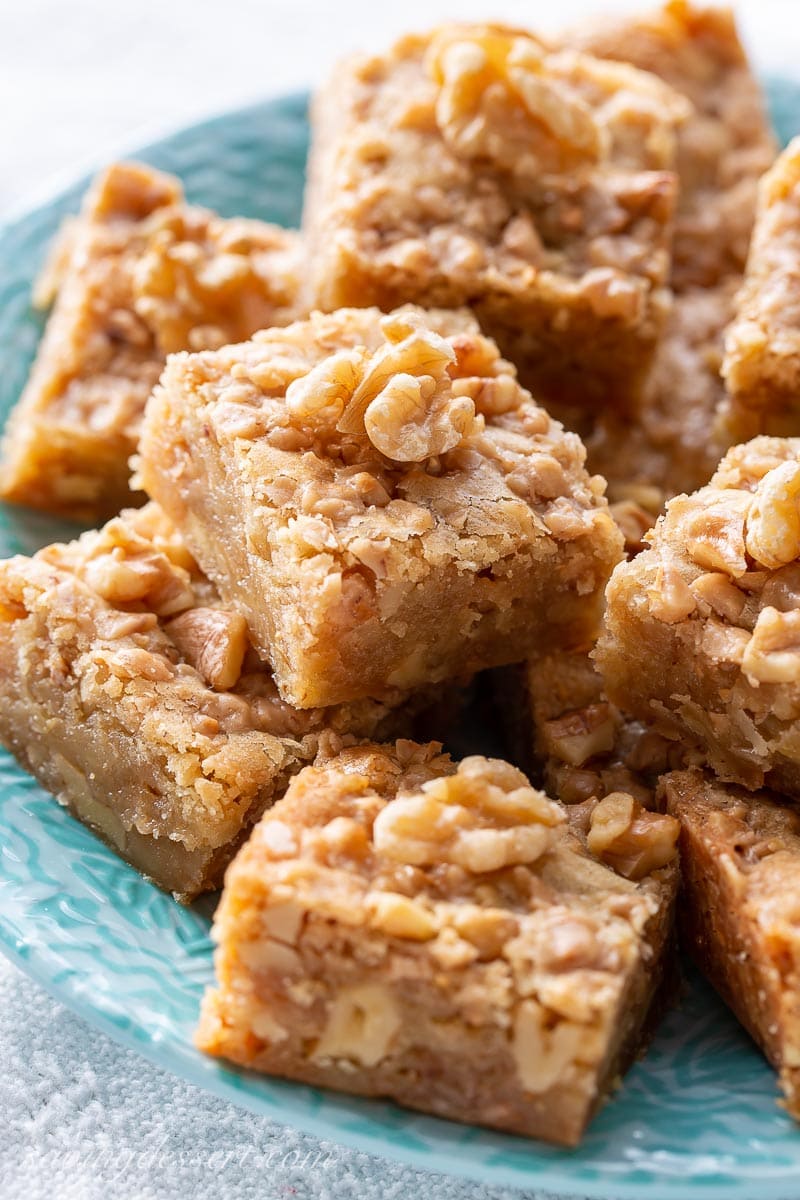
[{"x": 698, "y": 1118}]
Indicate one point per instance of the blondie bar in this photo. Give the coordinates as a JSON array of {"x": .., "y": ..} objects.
[
  {"x": 138, "y": 275},
  {"x": 725, "y": 145},
  {"x": 762, "y": 346},
  {"x": 402, "y": 926},
  {"x": 702, "y": 634},
  {"x": 133, "y": 695},
  {"x": 740, "y": 860},
  {"x": 478, "y": 166},
  {"x": 381, "y": 499}
]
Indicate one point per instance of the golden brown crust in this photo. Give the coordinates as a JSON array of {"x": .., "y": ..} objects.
[
  {"x": 406, "y": 927},
  {"x": 740, "y": 860},
  {"x": 139, "y": 274}
]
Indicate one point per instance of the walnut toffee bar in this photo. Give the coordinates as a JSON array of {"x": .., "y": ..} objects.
[{"x": 762, "y": 345}]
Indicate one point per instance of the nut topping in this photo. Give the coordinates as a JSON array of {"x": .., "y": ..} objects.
[
  {"x": 630, "y": 839},
  {"x": 773, "y": 522},
  {"x": 213, "y": 641}
]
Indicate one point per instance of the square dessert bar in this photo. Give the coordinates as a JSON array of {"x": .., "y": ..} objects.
[
  {"x": 762, "y": 346},
  {"x": 724, "y": 146},
  {"x": 740, "y": 860},
  {"x": 478, "y": 166},
  {"x": 702, "y": 631},
  {"x": 138, "y": 275},
  {"x": 381, "y": 500},
  {"x": 564, "y": 730},
  {"x": 133, "y": 695},
  {"x": 673, "y": 443},
  {"x": 402, "y": 926}
]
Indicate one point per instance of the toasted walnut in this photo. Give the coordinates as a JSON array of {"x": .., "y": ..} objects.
[
  {"x": 213, "y": 641},
  {"x": 772, "y": 654},
  {"x": 670, "y": 599},
  {"x": 577, "y": 736},
  {"x": 362, "y": 1023},
  {"x": 543, "y": 1046},
  {"x": 505, "y": 97},
  {"x": 487, "y": 929},
  {"x": 203, "y": 282},
  {"x": 413, "y": 418},
  {"x": 483, "y": 817},
  {"x": 630, "y": 839},
  {"x": 283, "y": 920},
  {"x": 124, "y": 569},
  {"x": 772, "y": 528}
]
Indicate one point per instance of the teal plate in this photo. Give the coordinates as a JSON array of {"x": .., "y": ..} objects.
[{"x": 697, "y": 1118}]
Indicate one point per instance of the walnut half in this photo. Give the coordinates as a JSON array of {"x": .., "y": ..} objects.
[
  {"x": 212, "y": 641},
  {"x": 484, "y": 817}
]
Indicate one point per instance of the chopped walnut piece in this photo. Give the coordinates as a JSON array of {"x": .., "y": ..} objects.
[
  {"x": 772, "y": 526},
  {"x": 543, "y": 1048},
  {"x": 630, "y": 839},
  {"x": 400, "y": 916},
  {"x": 577, "y": 736},
  {"x": 320, "y": 396},
  {"x": 772, "y": 655},
  {"x": 484, "y": 817},
  {"x": 720, "y": 594},
  {"x": 214, "y": 642}
]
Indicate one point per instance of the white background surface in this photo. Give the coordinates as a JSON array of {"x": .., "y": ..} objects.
[{"x": 80, "y": 81}]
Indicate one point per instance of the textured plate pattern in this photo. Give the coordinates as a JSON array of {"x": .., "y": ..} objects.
[{"x": 697, "y": 1118}]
